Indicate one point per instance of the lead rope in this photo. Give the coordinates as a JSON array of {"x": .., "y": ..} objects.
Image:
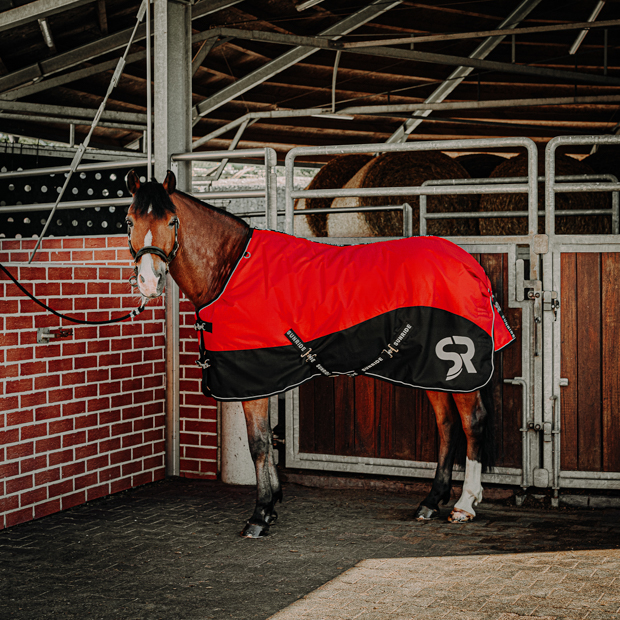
[
  {"x": 131, "y": 315},
  {"x": 77, "y": 158}
]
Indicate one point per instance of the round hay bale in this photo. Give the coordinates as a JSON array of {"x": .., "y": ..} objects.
[
  {"x": 333, "y": 175},
  {"x": 577, "y": 224},
  {"x": 401, "y": 169},
  {"x": 350, "y": 224}
]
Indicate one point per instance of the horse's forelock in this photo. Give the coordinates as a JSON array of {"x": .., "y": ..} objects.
[{"x": 151, "y": 197}]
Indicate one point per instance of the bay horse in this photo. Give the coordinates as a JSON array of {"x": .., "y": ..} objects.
[{"x": 214, "y": 256}]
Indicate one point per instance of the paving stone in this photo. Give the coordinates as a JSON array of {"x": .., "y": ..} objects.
[{"x": 171, "y": 550}]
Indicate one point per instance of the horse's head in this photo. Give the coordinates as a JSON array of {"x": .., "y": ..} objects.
[{"x": 152, "y": 226}]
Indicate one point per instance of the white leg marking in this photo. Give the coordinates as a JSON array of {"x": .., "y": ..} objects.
[{"x": 472, "y": 488}]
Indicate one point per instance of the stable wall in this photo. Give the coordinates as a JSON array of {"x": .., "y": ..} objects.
[{"x": 83, "y": 417}]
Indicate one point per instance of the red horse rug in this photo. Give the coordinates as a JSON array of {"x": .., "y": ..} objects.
[{"x": 418, "y": 312}]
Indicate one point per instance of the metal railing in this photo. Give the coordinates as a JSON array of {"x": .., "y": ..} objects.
[
  {"x": 530, "y": 188},
  {"x": 585, "y": 185},
  {"x": 269, "y": 193}
]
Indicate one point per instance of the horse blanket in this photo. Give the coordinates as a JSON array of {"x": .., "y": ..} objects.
[{"x": 416, "y": 312}]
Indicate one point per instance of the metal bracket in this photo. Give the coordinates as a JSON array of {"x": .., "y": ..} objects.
[{"x": 45, "y": 334}]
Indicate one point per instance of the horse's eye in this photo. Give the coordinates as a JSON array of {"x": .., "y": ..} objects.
[
  {"x": 173, "y": 222},
  {"x": 129, "y": 223}
]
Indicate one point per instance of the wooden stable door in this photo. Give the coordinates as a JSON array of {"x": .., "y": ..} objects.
[
  {"x": 364, "y": 417},
  {"x": 590, "y": 328}
]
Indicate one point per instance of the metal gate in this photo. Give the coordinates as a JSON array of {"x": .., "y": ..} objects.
[
  {"x": 581, "y": 379},
  {"x": 505, "y": 259},
  {"x": 526, "y": 272}
]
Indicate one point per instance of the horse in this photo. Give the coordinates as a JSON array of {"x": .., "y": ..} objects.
[{"x": 209, "y": 253}]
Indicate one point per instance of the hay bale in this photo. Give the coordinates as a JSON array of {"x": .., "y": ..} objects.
[
  {"x": 401, "y": 169},
  {"x": 578, "y": 224},
  {"x": 333, "y": 175},
  {"x": 350, "y": 224}
]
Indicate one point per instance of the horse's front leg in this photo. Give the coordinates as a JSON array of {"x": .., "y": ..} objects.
[
  {"x": 267, "y": 482},
  {"x": 473, "y": 417},
  {"x": 449, "y": 428}
]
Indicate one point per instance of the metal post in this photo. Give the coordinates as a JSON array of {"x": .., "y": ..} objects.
[{"x": 172, "y": 63}]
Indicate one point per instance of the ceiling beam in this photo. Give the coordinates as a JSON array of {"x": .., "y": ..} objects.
[
  {"x": 291, "y": 57},
  {"x": 92, "y": 50},
  {"x": 102, "y": 16},
  {"x": 407, "y": 107},
  {"x": 67, "y": 78},
  {"x": 466, "y": 64},
  {"x": 40, "y": 9},
  {"x": 460, "y": 36},
  {"x": 85, "y": 113}
]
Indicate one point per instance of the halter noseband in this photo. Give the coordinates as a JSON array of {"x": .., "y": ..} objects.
[{"x": 153, "y": 249}]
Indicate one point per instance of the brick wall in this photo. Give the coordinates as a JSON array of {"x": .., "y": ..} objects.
[
  {"x": 83, "y": 417},
  {"x": 198, "y": 432}
]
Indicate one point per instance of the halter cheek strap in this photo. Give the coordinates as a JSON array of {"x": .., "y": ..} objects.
[{"x": 152, "y": 249}]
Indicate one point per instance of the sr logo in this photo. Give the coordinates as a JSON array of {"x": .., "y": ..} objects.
[{"x": 459, "y": 359}]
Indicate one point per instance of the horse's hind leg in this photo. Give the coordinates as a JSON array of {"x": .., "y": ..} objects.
[
  {"x": 473, "y": 417},
  {"x": 267, "y": 482},
  {"x": 449, "y": 427}
]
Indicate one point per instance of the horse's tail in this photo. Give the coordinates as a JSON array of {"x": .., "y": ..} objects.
[{"x": 489, "y": 445}]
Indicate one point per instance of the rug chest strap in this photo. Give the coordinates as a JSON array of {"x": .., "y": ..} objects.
[
  {"x": 202, "y": 326},
  {"x": 306, "y": 352}
]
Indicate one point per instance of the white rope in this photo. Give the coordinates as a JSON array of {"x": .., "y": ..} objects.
[{"x": 77, "y": 158}]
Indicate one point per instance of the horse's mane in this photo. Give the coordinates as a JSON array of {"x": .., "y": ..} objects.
[
  {"x": 217, "y": 210},
  {"x": 152, "y": 194}
]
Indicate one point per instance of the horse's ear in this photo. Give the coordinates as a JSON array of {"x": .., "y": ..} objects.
[
  {"x": 170, "y": 182},
  {"x": 133, "y": 182}
]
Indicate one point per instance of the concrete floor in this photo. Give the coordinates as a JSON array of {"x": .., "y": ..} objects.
[{"x": 171, "y": 550}]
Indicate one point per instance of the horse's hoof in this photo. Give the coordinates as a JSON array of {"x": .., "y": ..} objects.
[
  {"x": 460, "y": 516},
  {"x": 424, "y": 513},
  {"x": 255, "y": 530},
  {"x": 271, "y": 518}
]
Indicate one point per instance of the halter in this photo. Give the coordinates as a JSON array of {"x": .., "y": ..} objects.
[{"x": 153, "y": 249}]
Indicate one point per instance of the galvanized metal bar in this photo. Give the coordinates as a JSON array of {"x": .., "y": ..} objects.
[
  {"x": 69, "y": 111},
  {"x": 334, "y": 76},
  {"x": 72, "y": 122},
  {"x": 358, "y": 192},
  {"x": 350, "y": 23},
  {"x": 291, "y": 193},
  {"x": 271, "y": 189},
  {"x": 69, "y": 59},
  {"x": 233, "y": 145},
  {"x": 67, "y": 78},
  {"x": 459, "y": 74},
  {"x": 460, "y": 36},
  {"x": 14, "y": 18},
  {"x": 172, "y": 89},
  {"x": 149, "y": 96},
  {"x": 108, "y": 165},
  {"x": 122, "y": 202},
  {"x": 209, "y": 155}
]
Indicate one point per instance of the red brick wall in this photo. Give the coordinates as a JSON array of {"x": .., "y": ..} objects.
[
  {"x": 81, "y": 417},
  {"x": 198, "y": 413}
]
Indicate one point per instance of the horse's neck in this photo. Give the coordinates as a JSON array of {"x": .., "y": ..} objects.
[{"x": 210, "y": 244}]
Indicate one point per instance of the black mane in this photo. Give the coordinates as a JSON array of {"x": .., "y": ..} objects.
[{"x": 152, "y": 194}]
